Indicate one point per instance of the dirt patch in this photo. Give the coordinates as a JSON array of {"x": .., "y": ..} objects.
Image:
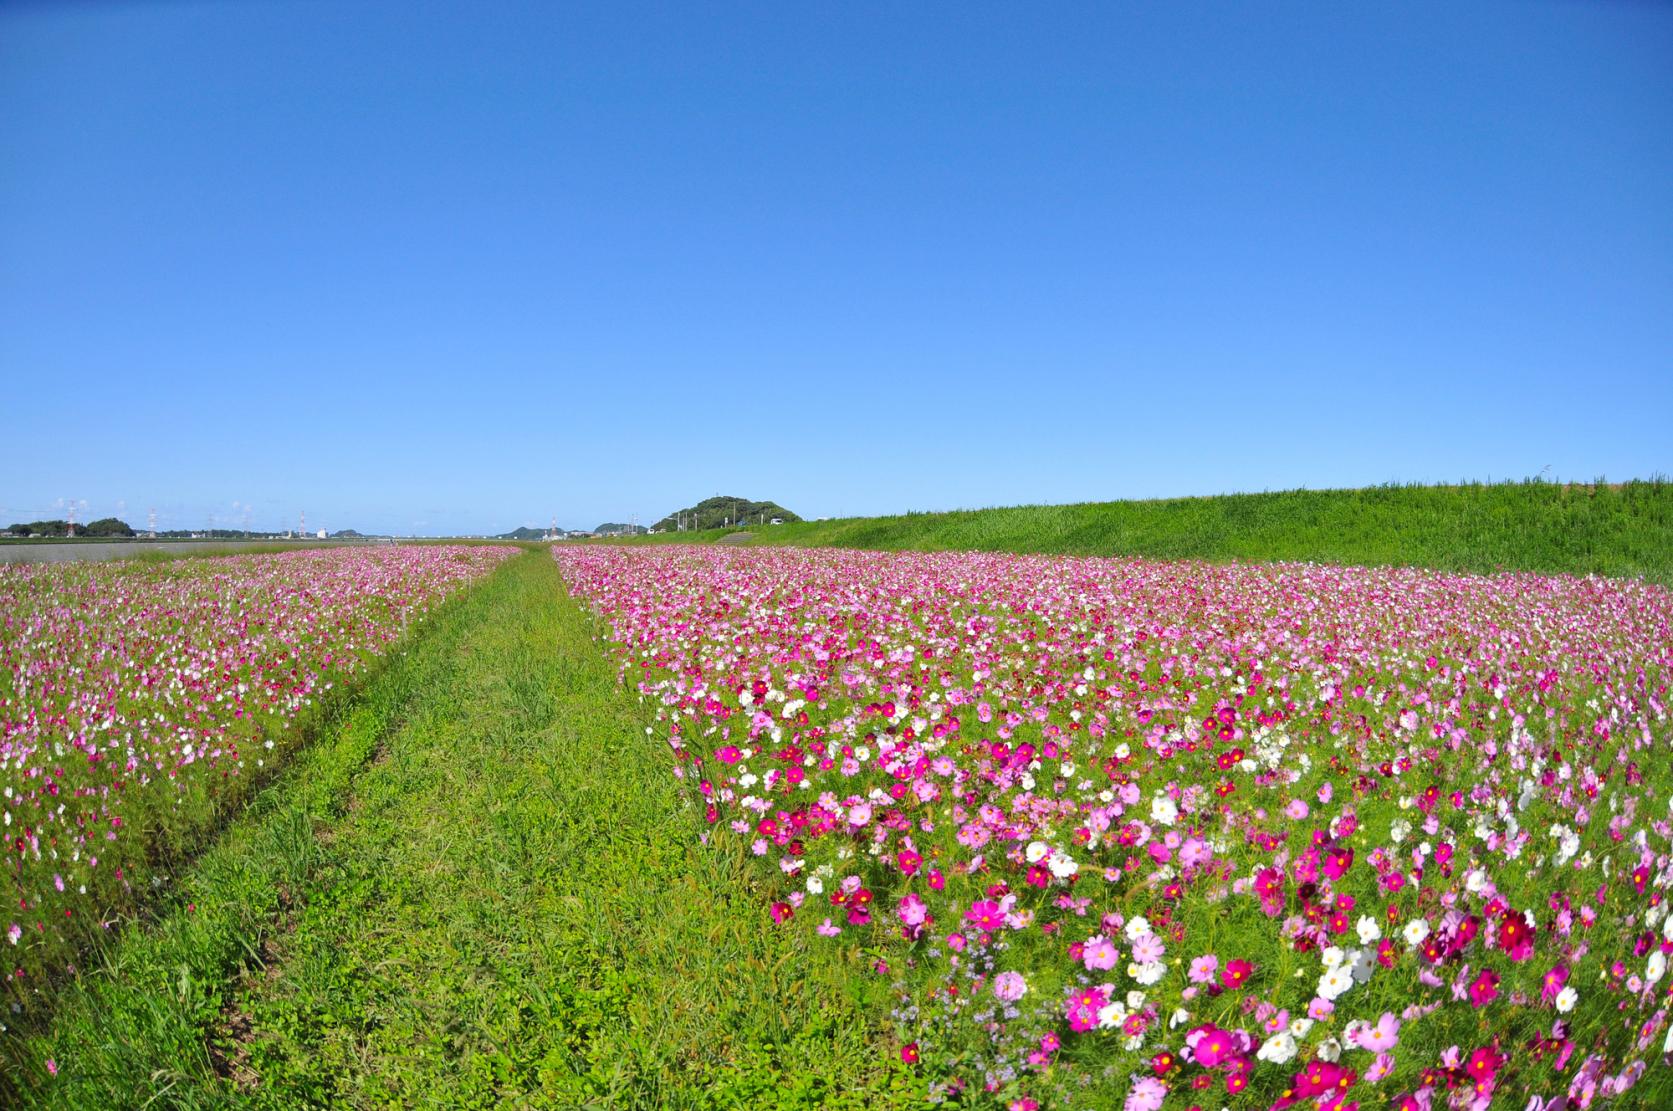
[
  {"x": 230, "y": 1039},
  {"x": 229, "y": 1048},
  {"x": 734, "y": 538}
]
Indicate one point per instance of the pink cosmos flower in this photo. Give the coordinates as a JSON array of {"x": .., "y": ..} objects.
[
  {"x": 1100, "y": 954},
  {"x": 985, "y": 914},
  {"x": 1382, "y": 1037},
  {"x": 1203, "y": 968},
  {"x": 1483, "y": 1064},
  {"x": 1485, "y": 989},
  {"x": 1553, "y": 982},
  {"x": 1010, "y": 986},
  {"x": 1212, "y": 1046},
  {"x": 1148, "y": 949},
  {"x": 1236, "y": 973},
  {"x": 1082, "y": 1008},
  {"x": 1147, "y": 1094}
]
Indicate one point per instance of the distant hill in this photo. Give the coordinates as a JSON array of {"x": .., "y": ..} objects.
[
  {"x": 524, "y": 533},
  {"x": 613, "y": 528},
  {"x": 724, "y": 512},
  {"x": 347, "y": 534}
]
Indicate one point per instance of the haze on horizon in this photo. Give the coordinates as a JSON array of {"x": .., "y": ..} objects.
[{"x": 456, "y": 270}]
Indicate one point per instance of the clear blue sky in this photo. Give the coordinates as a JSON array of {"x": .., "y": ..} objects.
[{"x": 462, "y": 267}]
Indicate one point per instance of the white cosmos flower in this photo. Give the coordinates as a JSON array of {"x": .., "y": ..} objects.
[
  {"x": 1566, "y": 999},
  {"x": 1657, "y": 968},
  {"x": 1136, "y": 928},
  {"x": 1334, "y": 982},
  {"x": 1163, "y": 810},
  {"x": 1146, "y": 974},
  {"x": 1369, "y": 930},
  {"x": 1278, "y": 1049},
  {"x": 1416, "y": 930}
]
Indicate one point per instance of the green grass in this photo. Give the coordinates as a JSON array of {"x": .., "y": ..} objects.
[
  {"x": 484, "y": 889},
  {"x": 1624, "y": 530}
]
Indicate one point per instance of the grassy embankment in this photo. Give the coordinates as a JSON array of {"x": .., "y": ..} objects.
[
  {"x": 484, "y": 889},
  {"x": 1624, "y": 530}
]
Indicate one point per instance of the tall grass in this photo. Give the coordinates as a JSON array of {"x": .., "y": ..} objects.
[{"x": 1617, "y": 530}]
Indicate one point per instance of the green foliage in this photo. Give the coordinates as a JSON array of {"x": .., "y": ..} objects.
[
  {"x": 1622, "y": 530},
  {"x": 722, "y": 512},
  {"x": 104, "y": 526},
  {"x": 485, "y": 890},
  {"x": 40, "y": 528}
]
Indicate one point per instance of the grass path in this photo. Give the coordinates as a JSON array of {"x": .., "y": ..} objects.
[{"x": 486, "y": 890}]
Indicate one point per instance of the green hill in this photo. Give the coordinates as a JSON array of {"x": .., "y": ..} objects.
[
  {"x": 724, "y": 511},
  {"x": 1622, "y": 530}
]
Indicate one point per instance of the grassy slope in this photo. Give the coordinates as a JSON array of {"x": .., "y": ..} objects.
[
  {"x": 484, "y": 890},
  {"x": 1626, "y": 530}
]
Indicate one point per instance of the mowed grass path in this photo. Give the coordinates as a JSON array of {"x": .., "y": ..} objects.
[{"x": 485, "y": 890}]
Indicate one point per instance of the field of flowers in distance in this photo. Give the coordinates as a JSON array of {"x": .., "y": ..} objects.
[
  {"x": 1174, "y": 835},
  {"x": 139, "y": 699}
]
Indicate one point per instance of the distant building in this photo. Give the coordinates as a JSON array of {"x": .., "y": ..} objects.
[{"x": 320, "y": 535}]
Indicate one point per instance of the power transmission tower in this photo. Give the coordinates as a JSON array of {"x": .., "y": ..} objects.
[
  {"x": 72, "y": 516},
  {"x": 151, "y": 523}
]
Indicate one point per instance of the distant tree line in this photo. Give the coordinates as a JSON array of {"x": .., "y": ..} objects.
[{"x": 104, "y": 526}]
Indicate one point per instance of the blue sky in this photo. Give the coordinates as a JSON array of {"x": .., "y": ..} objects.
[{"x": 443, "y": 268}]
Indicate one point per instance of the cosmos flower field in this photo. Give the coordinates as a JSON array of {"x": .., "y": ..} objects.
[
  {"x": 137, "y": 700},
  {"x": 1176, "y": 835}
]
